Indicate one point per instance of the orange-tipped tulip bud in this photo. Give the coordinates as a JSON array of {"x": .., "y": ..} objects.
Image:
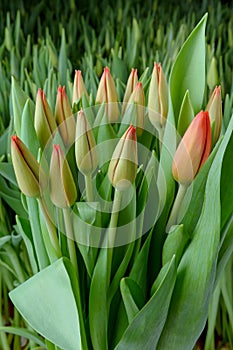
[
  {"x": 123, "y": 165},
  {"x": 79, "y": 87},
  {"x": 107, "y": 93},
  {"x": 64, "y": 117},
  {"x": 158, "y": 97},
  {"x": 214, "y": 107},
  {"x": 44, "y": 121},
  {"x": 138, "y": 97},
  {"x": 193, "y": 150},
  {"x": 85, "y": 146},
  {"x": 131, "y": 83},
  {"x": 63, "y": 191},
  {"x": 31, "y": 178}
]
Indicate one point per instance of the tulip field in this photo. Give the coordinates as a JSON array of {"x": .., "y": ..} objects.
[{"x": 116, "y": 175}]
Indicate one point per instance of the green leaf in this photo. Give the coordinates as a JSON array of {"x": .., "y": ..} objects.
[
  {"x": 25, "y": 333},
  {"x": 188, "y": 71},
  {"x": 47, "y": 303},
  {"x": 227, "y": 184},
  {"x": 145, "y": 329},
  {"x": 87, "y": 222},
  {"x": 62, "y": 62},
  {"x": 196, "y": 271},
  {"x": 41, "y": 253},
  {"x": 186, "y": 114},
  {"x": 132, "y": 296},
  {"x": 193, "y": 199},
  {"x": 24, "y": 228},
  {"x": 7, "y": 171},
  {"x": 19, "y": 99},
  {"x": 28, "y": 133},
  {"x": 174, "y": 244}
]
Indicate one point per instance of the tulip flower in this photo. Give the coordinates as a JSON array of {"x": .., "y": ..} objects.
[
  {"x": 44, "y": 121},
  {"x": 107, "y": 93},
  {"x": 63, "y": 191},
  {"x": 64, "y": 117},
  {"x": 138, "y": 97},
  {"x": 193, "y": 150},
  {"x": 31, "y": 178},
  {"x": 123, "y": 165},
  {"x": 158, "y": 97},
  {"x": 85, "y": 146},
  {"x": 131, "y": 83},
  {"x": 79, "y": 87},
  {"x": 214, "y": 107}
]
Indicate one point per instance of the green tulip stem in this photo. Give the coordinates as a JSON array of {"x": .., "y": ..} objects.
[
  {"x": 51, "y": 228},
  {"x": 112, "y": 230},
  {"x": 73, "y": 259},
  {"x": 89, "y": 190},
  {"x": 161, "y": 134},
  {"x": 70, "y": 239},
  {"x": 176, "y": 206}
]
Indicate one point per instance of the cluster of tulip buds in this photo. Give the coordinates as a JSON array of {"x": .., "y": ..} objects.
[{"x": 191, "y": 154}]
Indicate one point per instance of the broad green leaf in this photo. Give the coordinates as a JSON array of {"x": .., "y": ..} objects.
[
  {"x": 174, "y": 244},
  {"x": 47, "y": 303},
  {"x": 188, "y": 71},
  {"x": 197, "y": 269},
  {"x": 145, "y": 329}
]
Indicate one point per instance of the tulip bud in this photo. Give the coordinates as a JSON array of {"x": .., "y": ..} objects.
[
  {"x": 79, "y": 87},
  {"x": 45, "y": 124},
  {"x": 31, "y": 178},
  {"x": 63, "y": 191},
  {"x": 138, "y": 97},
  {"x": 107, "y": 93},
  {"x": 64, "y": 117},
  {"x": 193, "y": 150},
  {"x": 85, "y": 146},
  {"x": 214, "y": 107},
  {"x": 131, "y": 83},
  {"x": 123, "y": 165},
  {"x": 158, "y": 97}
]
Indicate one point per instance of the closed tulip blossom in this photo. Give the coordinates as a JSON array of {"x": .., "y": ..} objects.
[
  {"x": 85, "y": 146},
  {"x": 138, "y": 98},
  {"x": 214, "y": 107},
  {"x": 123, "y": 165},
  {"x": 63, "y": 191},
  {"x": 131, "y": 83},
  {"x": 79, "y": 88},
  {"x": 107, "y": 93},
  {"x": 64, "y": 118},
  {"x": 31, "y": 178},
  {"x": 45, "y": 124},
  {"x": 193, "y": 150},
  {"x": 158, "y": 97}
]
